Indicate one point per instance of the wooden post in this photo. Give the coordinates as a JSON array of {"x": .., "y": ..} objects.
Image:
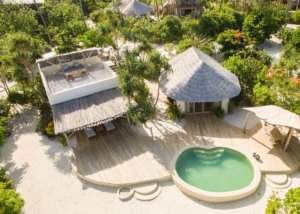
[
  {"x": 245, "y": 123},
  {"x": 287, "y": 143},
  {"x": 67, "y": 138}
]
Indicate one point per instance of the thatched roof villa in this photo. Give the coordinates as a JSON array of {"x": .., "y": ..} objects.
[
  {"x": 135, "y": 8},
  {"x": 82, "y": 90},
  {"x": 28, "y": 2},
  {"x": 198, "y": 82}
]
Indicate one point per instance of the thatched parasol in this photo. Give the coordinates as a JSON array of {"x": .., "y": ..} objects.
[
  {"x": 276, "y": 116},
  {"x": 135, "y": 7}
]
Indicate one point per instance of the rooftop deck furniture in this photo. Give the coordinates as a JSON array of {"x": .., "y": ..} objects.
[
  {"x": 76, "y": 64},
  {"x": 89, "y": 132},
  {"x": 109, "y": 126},
  {"x": 65, "y": 68},
  {"x": 82, "y": 72}
]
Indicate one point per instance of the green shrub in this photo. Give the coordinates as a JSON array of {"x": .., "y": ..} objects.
[
  {"x": 5, "y": 180},
  {"x": 264, "y": 20},
  {"x": 296, "y": 17},
  {"x": 257, "y": 54},
  {"x": 4, "y": 107},
  {"x": 219, "y": 112},
  {"x": 232, "y": 41},
  {"x": 202, "y": 43},
  {"x": 248, "y": 70},
  {"x": 190, "y": 26},
  {"x": 49, "y": 129},
  {"x": 45, "y": 117},
  {"x": 263, "y": 94},
  {"x": 292, "y": 201},
  {"x": 3, "y": 134},
  {"x": 274, "y": 204},
  {"x": 18, "y": 97},
  {"x": 289, "y": 204},
  {"x": 173, "y": 112},
  {"x": 214, "y": 22},
  {"x": 169, "y": 29},
  {"x": 291, "y": 49},
  {"x": 10, "y": 201}
]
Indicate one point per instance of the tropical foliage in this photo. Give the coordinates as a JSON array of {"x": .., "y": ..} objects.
[
  {"x": 232, "y": 41},
  {"x": 65, "y": 24},
  {"x": 263, "y": 20},
  {"x": 248, "y": 71},
  {"x": 10, "y": 201},
  {"x": 133, "y": 71},
  {"x": 288, "y": 204},
  {"x": 291, "y": 49},
  {"x": 214, "y": 22}
]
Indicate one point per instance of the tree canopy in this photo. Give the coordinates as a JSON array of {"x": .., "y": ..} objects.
[{"x": 263, "y": 20}]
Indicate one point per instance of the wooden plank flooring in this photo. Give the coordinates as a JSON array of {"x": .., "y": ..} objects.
[{"x": 126, "y": 156}]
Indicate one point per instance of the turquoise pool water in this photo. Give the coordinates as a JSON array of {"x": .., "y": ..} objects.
[{"x": 215, "y": 170}]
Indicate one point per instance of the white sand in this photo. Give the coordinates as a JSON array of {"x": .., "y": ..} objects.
[
  {"x": 43, "y": 177},
  {"x": 273, "y": 48}
]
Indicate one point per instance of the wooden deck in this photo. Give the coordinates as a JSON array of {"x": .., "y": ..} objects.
[{"x": 128, "y": 156}]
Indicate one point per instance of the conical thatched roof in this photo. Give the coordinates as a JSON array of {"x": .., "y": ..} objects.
[
  {"x": 135, "y": 7},
  {"x": 196, "y": 77}
]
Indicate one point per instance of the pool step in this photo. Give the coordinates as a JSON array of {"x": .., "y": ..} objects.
[{"x": 209, "y": 156}]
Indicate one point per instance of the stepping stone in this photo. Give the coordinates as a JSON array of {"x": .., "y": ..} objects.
[
  {"x": 277, "y": 178},
  {"x": 145, "y": 189},
  {"x": 143, "y": 197},
  {"x": 278, "y": 186},
  {"x": 125, "y": 193}
]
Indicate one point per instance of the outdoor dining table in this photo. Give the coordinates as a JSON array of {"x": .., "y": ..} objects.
[{"x": 80, "y": 72}]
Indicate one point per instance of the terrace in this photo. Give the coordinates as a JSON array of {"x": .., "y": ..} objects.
[
  {"x": 74, "y": 75},
  {"x": 129, "y": 155}
]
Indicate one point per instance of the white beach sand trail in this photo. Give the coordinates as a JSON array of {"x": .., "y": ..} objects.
[{"x": 43, "y": 177}]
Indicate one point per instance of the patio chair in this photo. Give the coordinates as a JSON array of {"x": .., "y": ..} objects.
[
  {"x": 76, "y": 64},
  {"x": 65, "y": 68}
]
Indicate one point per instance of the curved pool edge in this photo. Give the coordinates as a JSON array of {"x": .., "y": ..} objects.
[{"x": 216, "y": 196}]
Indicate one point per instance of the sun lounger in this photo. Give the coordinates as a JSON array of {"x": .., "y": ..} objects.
[
  {"x": 89, "y": 132},
  {"x": 109, "y": 126}
]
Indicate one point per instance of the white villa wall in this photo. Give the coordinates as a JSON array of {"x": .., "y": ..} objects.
[
  {"x": 181, "y": 105},
  {"x": 83, "y": 90},
  {"x": 224, "y": 105},
  {"x": 79, "y": 91},
  {"x": 51, "y": 70}
]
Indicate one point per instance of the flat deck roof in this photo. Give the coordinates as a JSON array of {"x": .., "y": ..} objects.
[{"x": 58, "y": 82}]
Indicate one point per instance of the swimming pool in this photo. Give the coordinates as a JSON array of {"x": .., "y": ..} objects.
[{"x": 216, "y": 174}]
